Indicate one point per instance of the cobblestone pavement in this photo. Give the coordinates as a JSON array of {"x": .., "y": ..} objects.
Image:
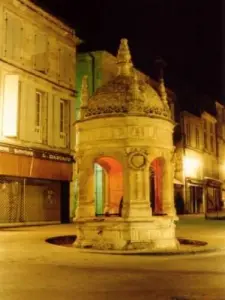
[{"x": 31, "y": 269}]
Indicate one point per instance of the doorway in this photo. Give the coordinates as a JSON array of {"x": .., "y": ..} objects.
[
  {"x": 196, "y": 199},
  {"x": 65, "y": 203}
]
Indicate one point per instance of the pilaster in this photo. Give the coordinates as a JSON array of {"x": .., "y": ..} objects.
[
  {"x": 136, "y": 190},
  {"x": 85, "y": 176},
  {"x": 168, "y": 188}
]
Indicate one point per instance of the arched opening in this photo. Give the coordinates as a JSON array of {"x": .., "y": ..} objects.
[
  {"x": 156, "y": 185},
  {"x": 108, "y": 186},
  {"x": 99, "y": 189}
]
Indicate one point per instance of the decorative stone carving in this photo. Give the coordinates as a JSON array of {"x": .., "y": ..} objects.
[
  {"x": 109, "y": 133},
  {"x": 136, "y": 132},
  {"x": 130, "y": 150},
  {"x": 117, "y": 97},
  {"x": 137, "y": 160},
  {"x": 126, "y": 93},
  {"x": 79, "y": 156},
  {"x": 119, "y": 133},
  {"x": 157, "y": 111},
  {"x": 84, "y": 97}
]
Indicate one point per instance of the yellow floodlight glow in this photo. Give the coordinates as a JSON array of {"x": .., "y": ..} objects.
[
  {"x": 191, "y": 166},
  {"x": 10, "y": 105}
]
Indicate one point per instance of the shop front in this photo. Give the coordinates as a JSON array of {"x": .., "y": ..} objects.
[
  {"x": 34, "y": 186},
  {"x": 194, "y": 196},
  {"x": 213, "y": 198}
]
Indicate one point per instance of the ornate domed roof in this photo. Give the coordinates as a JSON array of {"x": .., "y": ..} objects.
[{"x": 126, "y": 94}]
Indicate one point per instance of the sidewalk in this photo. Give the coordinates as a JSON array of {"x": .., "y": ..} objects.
[
  {"x": 199, "y": 228},
  {"x": 188, "y": 227}
]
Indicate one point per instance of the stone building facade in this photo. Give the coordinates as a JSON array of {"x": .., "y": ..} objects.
[
  {"x": 220, "y": 116},
  {"x": 37, "y": 110},
  {"x": 197, "y": 165}
]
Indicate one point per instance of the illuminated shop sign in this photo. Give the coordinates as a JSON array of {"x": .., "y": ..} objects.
[{"x": 37, "y": 154}]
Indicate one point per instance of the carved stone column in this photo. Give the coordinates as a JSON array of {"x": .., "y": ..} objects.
[
  {"x": 86, "y": 205},
  {"x": 168, "y": 187},
  {"x": 136, "y": 188},
  {"x": 73, "y": 193}
]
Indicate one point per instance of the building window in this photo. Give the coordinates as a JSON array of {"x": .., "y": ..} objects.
[
  {"x": 205, "y": 140},
  {"x": 212, "y": 137},
  {"x": 197, "y": 138},
  {"x": 205, "y": 135},
  {"x": 205, "y": 125},
  {"x": 211, "y": 128},
  {"x": 41, "y": 116},
  {"x": 188, "y": 133},
  {"x": 38, "y": 104},
  {"x": 62, "y": 116},
  {"x": 212, "y": 143},
  {"x": 64, "y": 121}
]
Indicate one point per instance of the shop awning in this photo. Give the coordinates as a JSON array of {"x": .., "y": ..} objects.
[{"x": 176, "y": 181}]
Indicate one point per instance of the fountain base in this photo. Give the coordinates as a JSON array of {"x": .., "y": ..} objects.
[{"x": 108, "y": 233}]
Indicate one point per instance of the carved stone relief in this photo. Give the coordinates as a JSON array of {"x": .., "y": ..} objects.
[
  {"x": 109, "y": 133},
  {"x": 137, "y": 161},
  {"x": 132, "y": 150},
  {"x": 137, "y": 158}
]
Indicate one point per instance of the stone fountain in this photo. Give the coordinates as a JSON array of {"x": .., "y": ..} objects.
[{"x": 126, "y": 128}]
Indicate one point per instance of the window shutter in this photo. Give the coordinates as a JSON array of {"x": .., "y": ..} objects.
[
  {"x": 67, "y": 123},
  {"x": 32, "y": 135},
  {"x": 22, "y": 111},
  {"x": 40, "y": 57},
  {"x": 8, "y": 36},
  {"x": 13, "y": 37},
  {"x": 18, "y": 39},
  {"x": 45, "y": 118},
  {"x": 66, "y": 65},
  {"x": 10, "y": 105},
  {"x": 61, "y": 66},
  {"x": 53, "y": 58},
  {"x": 56, "y": 120},
  {"x": 28, "y": 48}
]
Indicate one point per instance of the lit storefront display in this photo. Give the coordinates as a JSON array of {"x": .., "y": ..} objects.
[{"x": 34, "y": 185}]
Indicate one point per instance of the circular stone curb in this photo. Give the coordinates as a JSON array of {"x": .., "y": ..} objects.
[{"x": 199, "y": 248}]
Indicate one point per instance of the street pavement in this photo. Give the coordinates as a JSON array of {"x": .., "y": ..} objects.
[{"x": 31, "y": 269}]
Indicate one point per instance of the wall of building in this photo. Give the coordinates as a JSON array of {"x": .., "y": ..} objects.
[
  {"x": 220, "y": 109},
  {"x": 196, "y": 163},
  {"x": 37, "y": 96},
  {"x": 37, "y": 55}
]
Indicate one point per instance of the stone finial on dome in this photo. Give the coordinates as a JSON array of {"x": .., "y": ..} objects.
[
  {"x": 124, "y": 58},
  {"x": 136, "y": 101},
  {"x": 162, "y": 91},
  {"x": 84, "y": 96},
  {"x": 135, "y": 89}
]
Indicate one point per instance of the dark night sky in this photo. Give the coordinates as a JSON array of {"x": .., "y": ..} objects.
[{"x": 187, "y": 34}]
